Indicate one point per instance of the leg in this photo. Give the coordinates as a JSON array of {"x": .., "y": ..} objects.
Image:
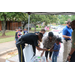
[
  {"x": 52, "y": 57},
  {"x": 34, "y": 49},
  {"x": 65, "y": 51},
  {"x": 68, "y": 47},
  {"x": 50, "y": 54},
  {"x": 46, "y": 55},
  {"x": 20, "y": 52},
  {"x": 55, "y": 58}
]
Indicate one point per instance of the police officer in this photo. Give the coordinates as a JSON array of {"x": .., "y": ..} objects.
[
  {"x": 29, "y": 38},
  {"x": 67, "y": 32},
  {"x": 71, "y": 56}
]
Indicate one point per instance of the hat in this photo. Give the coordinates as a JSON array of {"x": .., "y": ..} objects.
[
  {"x": 59, "y": 39},
  {"x": 50, "y": 34}
]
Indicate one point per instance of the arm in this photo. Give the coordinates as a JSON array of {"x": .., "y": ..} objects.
[
  {"x": 52, "y": 47},
  {"x": 42, "y": 53},
  {"x": 41, "y": 49},
  {"x": 54, "y": 50},
  {"x": 72, "y": 51},
  {"x": 66, "y": 36},
  {"x": 18, "y": 34}
]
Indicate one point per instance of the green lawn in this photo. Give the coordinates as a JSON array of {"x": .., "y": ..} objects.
[
  {"x": 7, "y": 39},
  {"x": 9, "y": 33},
  {"x": 37, "y": 29},
  {"x": 2, "y": 40}
]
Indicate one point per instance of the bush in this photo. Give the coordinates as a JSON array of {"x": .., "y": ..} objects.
[{"x": 36, "y": 26}]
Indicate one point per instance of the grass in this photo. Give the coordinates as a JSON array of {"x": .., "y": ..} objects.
[
  {"x": 9, "y": 33},
  {"x": 37, "y": 29},
  {"x": 7, "y": 38},
  {"x": 12, "y": 34},
  {"x": 2, "y": 40}
]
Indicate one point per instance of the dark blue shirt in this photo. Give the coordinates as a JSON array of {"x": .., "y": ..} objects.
[
  {"x": 67, "y": 31},
  {"x": 30, "y": 38},
  {"x": 25, "y": 32},
  {"x": 56, "y": 47}
]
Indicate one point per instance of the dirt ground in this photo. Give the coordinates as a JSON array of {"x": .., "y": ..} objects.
[
  {"x": 5, "y": 36},
  {"x": 9, "y": 55}
]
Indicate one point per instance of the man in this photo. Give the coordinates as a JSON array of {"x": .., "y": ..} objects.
[
  {"x": 42, "y": 31},
  {"x": 25, "y": 31},
  {"x": 71, "y": 56},
  {"x": 29, "y": 38},
  {"x": 67, "y": 32},
  {"x": 48, "y": 42}
]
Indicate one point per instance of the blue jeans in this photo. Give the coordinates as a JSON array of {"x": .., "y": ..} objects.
[{"x": 54, "y": 58}]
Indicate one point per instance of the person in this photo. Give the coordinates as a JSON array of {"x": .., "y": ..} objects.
[
  {"x": 31, "y": 39},
  {"x": 19, "y": 32},
  {"x": 71, "y": 56},
  {"x": 42, "y": 31},
  {"x": 25, "y": 31},
  {"x": 48, "y": 42},
  {"x": 67, "y": 32},
  {"x": 55, "y": 49},
  {"x": 16, "y": 37}
]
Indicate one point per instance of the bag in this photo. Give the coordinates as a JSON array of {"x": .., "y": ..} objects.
[{"x": 28, "y": 53}]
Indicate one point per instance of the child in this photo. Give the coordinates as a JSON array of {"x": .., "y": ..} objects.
[
  {"x": 19, "y": 33},
  {"x": 56, "y": 49}
]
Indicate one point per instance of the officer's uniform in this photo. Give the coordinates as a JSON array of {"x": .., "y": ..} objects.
[
  {"x": 29, "y": 38},
  {"x": 73, "y": 46}
]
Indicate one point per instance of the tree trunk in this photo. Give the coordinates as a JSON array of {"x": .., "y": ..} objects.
[{"x": 4, "y": 26}]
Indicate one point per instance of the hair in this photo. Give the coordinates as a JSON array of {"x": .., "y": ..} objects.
[
  {"x": 40, "y": 34},
  {"x": 59, "y": 40},
  {"x": 68, "y": 22},
  {"x": 50, "y": 34},
  {"x": 73, "y": 22},
  {"x": 43, "y": 30},
  {"x": 16, "y": 29}
]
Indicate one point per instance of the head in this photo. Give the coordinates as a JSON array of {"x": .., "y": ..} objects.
[
  {"x": 58, "y": 40},
  {"x": 69, "y": 24},
  {"x": 50, "y": 35},
  {"x": 20, "y": 30},
  {"x": 42, "y": 31},
  {"x": 73, "y": 24},
  {"x": 40, "y": 35},
  {"x": 25, "y": 29},
  {"x": 16, "y": 30}
]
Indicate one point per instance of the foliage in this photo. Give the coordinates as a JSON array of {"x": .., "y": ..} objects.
[{"x": 12, "y": 16}]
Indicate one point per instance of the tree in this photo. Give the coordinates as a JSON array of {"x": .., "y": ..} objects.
[
  {"x": 63, "y": 18},
  {"x": 72, "y": 17},
  {"x": 36, "y": 19},
  {"x": 11, "y": 16}
]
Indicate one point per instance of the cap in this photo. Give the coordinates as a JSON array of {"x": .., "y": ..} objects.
[
  {"x": 59, "y": 39},
  {"x": 50, "y": 34}
]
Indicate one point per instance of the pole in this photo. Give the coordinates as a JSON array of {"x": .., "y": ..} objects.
[{"x": 28, "y": 22}]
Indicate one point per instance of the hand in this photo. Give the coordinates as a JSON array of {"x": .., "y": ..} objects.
[
  {"x": 70, "y": 37},
  {"x": 69, "y": 57},
  {"x": 50, "y": 50}
]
